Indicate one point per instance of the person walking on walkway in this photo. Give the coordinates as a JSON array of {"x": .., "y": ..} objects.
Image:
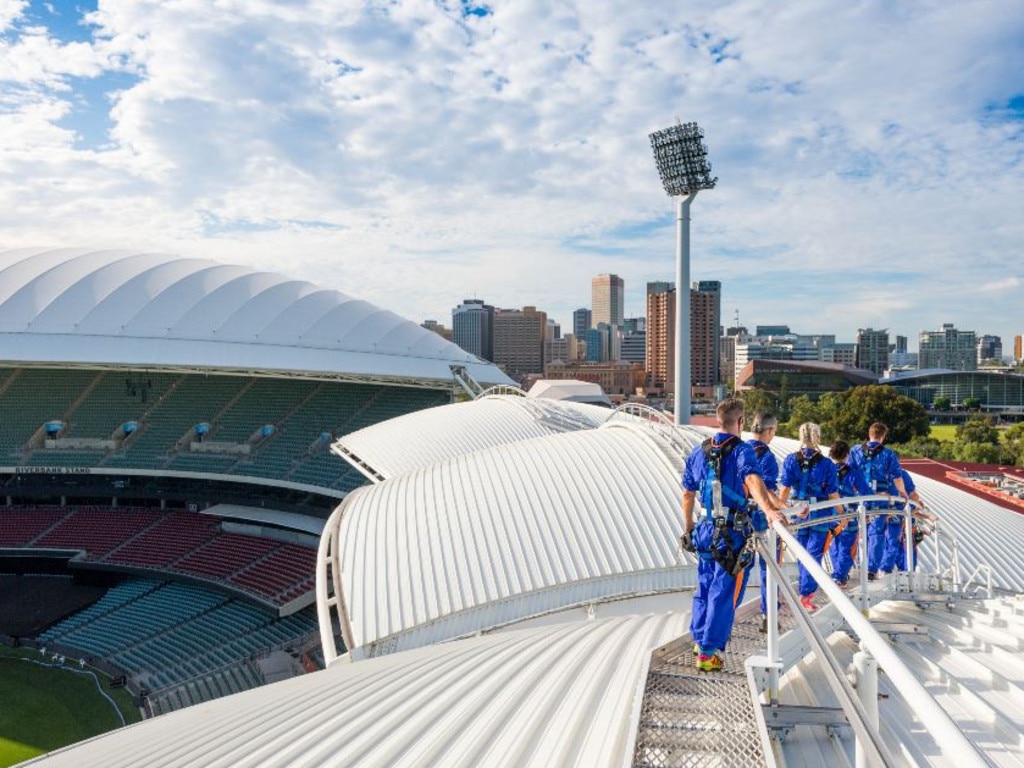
[{"x": 723, "y": 473}]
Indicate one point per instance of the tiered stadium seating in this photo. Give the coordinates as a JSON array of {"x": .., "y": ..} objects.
[
  {"x": 171, "y": 538},
  {"x": 285, "y": 573},
  {"x": 173, "y": 542},
  {"x": 19, "y": 527},
  {"x": 224, "y": 555},
  {"x": 31, "y": 397},
  {"x": 183, "y": 643},
  {"x": 97, "y": 530},
  {"x": 166, "y": 406}
]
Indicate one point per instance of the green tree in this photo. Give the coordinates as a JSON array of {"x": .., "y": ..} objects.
[
  {"x": 758, "y": 401},
  {"x": 859, "y": 407},
  {"x": 921, "y": 448},
  {"x": 972, "y": 403},
  {"x": 942, "y": 403},
  {"x": 1013, "y": 445},
  {"x": 801, "y": 409},
  {"x": 978, "y": 453},
  {"x": 977, "y": 431}
]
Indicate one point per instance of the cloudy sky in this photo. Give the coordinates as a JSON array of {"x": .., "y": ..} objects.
[{"x": 413, "y": 153}]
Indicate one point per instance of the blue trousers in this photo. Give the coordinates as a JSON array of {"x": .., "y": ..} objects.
[
  {"x": 892, "y": 545},
  {"x": 876, "y": 542},
  {"x": 814, "y": 542},
  {"x": 714, "y": 605},
  {"x": 901, "y": 556},
  {"x": 842, "y": 552}
]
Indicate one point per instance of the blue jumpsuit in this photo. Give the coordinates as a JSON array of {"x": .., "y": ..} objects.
[
  {"x": 851, "y": 483},
  {"x": 894, "y": 555},
  {"x": 815, "y": 483},
  {"x": 769, "y": 467},
  {"x": 718, "y": 591},
  {"x": 879, "y": 466}
]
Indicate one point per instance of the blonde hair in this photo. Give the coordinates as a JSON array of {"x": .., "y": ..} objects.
[{"x": 810, "y": 434}]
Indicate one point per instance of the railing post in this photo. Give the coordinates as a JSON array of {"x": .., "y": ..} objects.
[
  {"x": 866, "y": 671},
  {"x": 862, "y": 556},
  {"x": 908, "y": 544},
  {"x": 771, "y": 605}
]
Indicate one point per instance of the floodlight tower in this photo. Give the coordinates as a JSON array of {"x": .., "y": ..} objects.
[{"x": 682, "y": 159}]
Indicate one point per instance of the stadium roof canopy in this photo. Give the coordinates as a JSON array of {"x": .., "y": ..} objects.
[
  {"x": 124, "y": 308},
  {"x": 482, "y": 540},
  {"x": 510, "y": 532},
  {"x": 425, "y": 437}
]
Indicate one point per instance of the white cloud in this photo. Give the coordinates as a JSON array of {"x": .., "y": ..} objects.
[{"x": 414, "y": 157}]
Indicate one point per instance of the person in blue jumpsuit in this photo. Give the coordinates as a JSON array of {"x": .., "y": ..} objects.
[
  {"x": 808, "y": 476},
  {"x": 844, "y": 537},
  {"x": 764, "y": 429},
  {"x": 894, "y": 554},
  {"x": 880, "y": 467},
  {"x": 723, "y": 473}
]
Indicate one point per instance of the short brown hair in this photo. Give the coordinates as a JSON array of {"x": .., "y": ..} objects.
[
  {"x": 840, "y": 450},
  {"x": 729, "y": 411},
  {"x": 878, "y": 431}
]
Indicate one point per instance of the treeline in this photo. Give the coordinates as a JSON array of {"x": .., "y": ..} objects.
[{"x": 847, "y": 415}]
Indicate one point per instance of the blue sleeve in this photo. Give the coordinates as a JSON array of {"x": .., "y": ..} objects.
[
  {"x": 746, "y": 462},
  {"x": 829, "y": 477},
  {"x": 860, "y": 485},
  {"x": 908, "y": 482},
  {"x": 892, "y": 465},
  {"x": 770, "y": 471},
  {"x": 693, "y": 472},
  {"x": 790, "y": 472}
]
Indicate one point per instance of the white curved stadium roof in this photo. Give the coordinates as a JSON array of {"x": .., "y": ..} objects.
[
  {"x": 422, "y": 438},
  {"x": 559, "y": 696},
  {"x": 76, "y": 306},
  {"x": 511, "y": 531}
]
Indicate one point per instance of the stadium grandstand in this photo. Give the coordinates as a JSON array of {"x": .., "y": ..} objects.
[
  {"x": 166, "y": 439},
  {"x": 521, "y": 600}
]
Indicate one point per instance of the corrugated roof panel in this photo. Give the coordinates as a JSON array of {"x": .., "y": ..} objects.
[
  {"x": 444, "y": 544},
  {"x": 420, "y": 439},
  {"x": 561, "y": 695}
]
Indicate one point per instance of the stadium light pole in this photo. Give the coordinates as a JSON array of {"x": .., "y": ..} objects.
[{"x": 682, "y": 160}]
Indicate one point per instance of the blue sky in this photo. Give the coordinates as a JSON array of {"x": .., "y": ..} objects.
[{"x": 413, "y": 153}]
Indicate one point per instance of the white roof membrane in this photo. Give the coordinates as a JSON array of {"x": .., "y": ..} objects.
[
  {"x": 130, "y": 308},
  {"x": 562, "y": 695}
]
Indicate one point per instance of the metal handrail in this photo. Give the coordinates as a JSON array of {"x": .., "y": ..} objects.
[
  {"x": 940, "y": 726},
  {"x": 858, "y": 717}
]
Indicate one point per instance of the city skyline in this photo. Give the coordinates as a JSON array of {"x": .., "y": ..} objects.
[{"x": 415, "y": 153}]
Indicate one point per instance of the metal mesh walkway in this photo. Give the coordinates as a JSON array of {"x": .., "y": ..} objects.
[{"x": 691, "y": 719}]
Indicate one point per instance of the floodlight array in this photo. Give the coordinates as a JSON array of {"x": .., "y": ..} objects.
[{"x": 682, "y": 159}]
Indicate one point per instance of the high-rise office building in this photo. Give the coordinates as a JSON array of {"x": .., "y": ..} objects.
[
  {"x": 473, "y": 328},
  {"x": 519, "y": 340},
  {"x": 1018, "y": 348},
  {"x": 633, "y": 335},
  {"x": 607, "y": 300},
  {"x": 990, "y": 348},
  {"x": 661, "y": 336},
  {"x": 581, "y": 322},
  {"x": 705, "y": 332},
  {"x": 948, "y": 348},
  {"x": 873, "y": 350}
]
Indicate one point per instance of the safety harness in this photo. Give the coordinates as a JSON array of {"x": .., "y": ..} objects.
[
  {"x": 807, "y": 465},
  {"x": 713, "y": 496},
  {"x": 870, "y": 454}
]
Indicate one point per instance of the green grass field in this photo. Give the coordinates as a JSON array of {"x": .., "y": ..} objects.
[
  {"x": 42, "y": 708},
  {"x": 943, "y": 431}
]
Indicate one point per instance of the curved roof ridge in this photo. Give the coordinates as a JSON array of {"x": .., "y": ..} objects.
[{"x": 149, "y": 309}]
